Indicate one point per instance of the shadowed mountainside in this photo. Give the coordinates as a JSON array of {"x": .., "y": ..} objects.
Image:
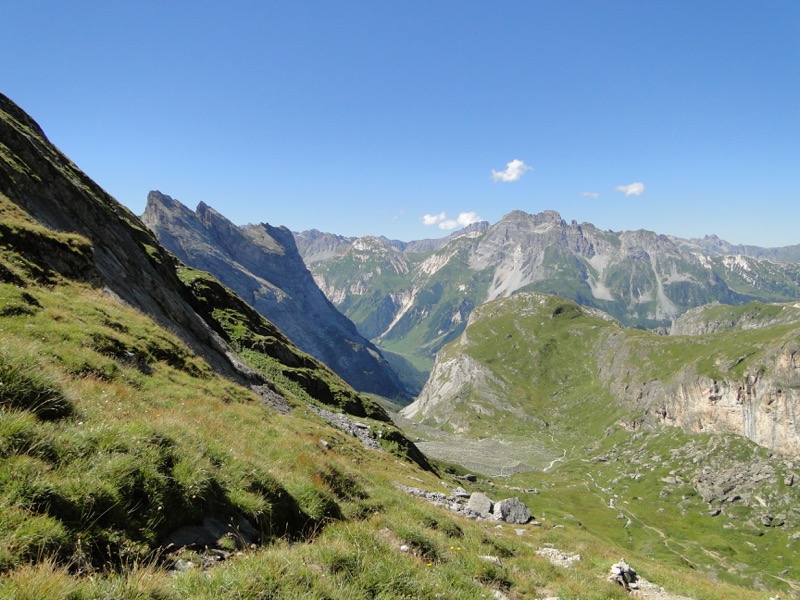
[{"x": 261, "y": 264}]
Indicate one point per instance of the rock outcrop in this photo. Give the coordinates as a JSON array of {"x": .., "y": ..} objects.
[
  {"x": 761, "y": 404},
  {"x": 261, "y": 264},
  {"x": 476, "y": 505}
]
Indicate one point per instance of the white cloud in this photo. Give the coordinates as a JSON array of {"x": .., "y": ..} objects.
[
  {"x": 463, "y": 219},
  {"x": 514, "y": 170},
  {"x": 632, "y": 189},
  {"x": 433, "y": 219},
  {"x": 590, "y": 194}
]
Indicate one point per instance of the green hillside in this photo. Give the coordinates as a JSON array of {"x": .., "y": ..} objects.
[{"x": 566, "y": 390}]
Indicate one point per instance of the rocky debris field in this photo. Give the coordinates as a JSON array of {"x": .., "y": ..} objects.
[
  {"x": 476, "y": 505},
  {"x": 768, "y": 487},
  {"x": 358, "y": 430}
]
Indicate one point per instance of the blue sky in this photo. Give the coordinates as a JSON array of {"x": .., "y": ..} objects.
[{"x": 377, "y": 117}]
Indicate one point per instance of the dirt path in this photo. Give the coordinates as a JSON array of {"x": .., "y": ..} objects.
[{"x": 554, "y": 461}]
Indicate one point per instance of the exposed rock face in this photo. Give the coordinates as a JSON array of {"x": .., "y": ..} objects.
[
  {"x": 761, "y": 407},
  {"x": 126, "y": 259},
  {"x": 760, "y": 401},
  {"x": 261, "y": 264},
  {"x": 440, "y": 399},
  {"x": 640, "y": 277}
]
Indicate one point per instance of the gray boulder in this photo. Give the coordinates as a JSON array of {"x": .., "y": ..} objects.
[
  {"x": 480, "y": 504},
  {"x": 512, "y": 510}
]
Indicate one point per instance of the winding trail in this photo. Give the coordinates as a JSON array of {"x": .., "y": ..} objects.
[{"x": 554, "y": 461}]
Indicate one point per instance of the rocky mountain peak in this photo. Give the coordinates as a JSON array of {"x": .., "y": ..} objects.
[
  {"x": 543, "y": 218},
  {"x": 158, "y": 201},
  {"x": 261, "y": 264}
]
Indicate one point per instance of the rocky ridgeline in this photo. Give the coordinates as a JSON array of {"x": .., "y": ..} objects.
[
  {"x": 262, "y": 265},
  {"x": 715, "y": 318},
  {"x": 640, "y": 277}
]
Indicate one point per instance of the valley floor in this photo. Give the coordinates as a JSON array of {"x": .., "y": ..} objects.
[{"x": 491, "y": 457}]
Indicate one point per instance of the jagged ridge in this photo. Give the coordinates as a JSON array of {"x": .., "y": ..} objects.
[
  {"x": 416, "y": 302},
  {"x": 261, "y": 264}
]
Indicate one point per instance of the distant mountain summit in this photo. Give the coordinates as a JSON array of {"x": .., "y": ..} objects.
[
  {"x": 412, "y": 298},
  {"x": 262, "y": 265}
]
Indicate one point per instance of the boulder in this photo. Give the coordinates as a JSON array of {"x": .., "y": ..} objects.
[
  {"x": 512, "y": 510},
  {"x": 460, "y": 492},
  {"x": 480, "y": 504},
  {"x": 623, "y": 574}
]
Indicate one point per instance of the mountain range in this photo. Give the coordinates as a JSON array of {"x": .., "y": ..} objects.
[
  {"x": 414, "y": 298},
  {"x": 261, "y": 264}
]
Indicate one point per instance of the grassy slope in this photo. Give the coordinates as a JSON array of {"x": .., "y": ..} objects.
[{"x": 544, "y": 351}]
